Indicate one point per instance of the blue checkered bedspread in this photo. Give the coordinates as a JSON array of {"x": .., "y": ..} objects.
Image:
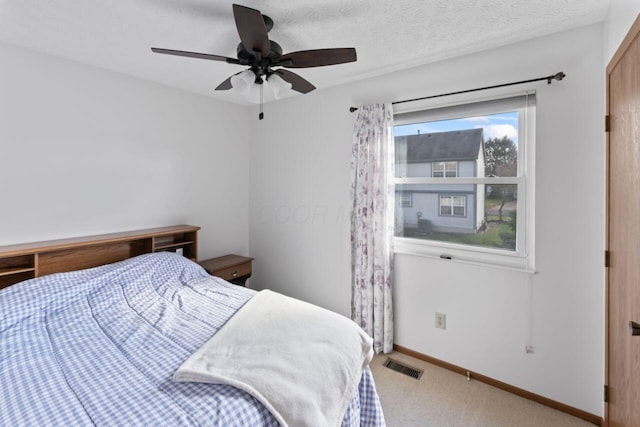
[{"x": 99, "y": 347}]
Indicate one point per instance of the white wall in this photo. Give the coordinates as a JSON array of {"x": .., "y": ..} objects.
[
  {"x": 87, "y": 151},
  {"x": 300, "y": 224},
  {"x": 622, "y": 14}
]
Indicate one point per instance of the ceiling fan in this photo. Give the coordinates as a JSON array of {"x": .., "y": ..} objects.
[{"x": 262, "y": 56}]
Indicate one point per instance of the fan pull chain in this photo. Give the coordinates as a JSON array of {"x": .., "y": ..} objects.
[{"x": 261, "y": 115}]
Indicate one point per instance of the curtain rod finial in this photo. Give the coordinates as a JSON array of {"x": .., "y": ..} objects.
[
  {"x": 353, "y": 109},
  {"x": 558, "y": 76}
]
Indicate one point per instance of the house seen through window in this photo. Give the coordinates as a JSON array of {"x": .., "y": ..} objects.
[{"x": 463, "y": 169}]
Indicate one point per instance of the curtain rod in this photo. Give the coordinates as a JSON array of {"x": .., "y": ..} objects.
[{"x": 557, "y": 76}]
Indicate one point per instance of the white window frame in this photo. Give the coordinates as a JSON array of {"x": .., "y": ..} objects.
[{"x": 522, "y": 259}]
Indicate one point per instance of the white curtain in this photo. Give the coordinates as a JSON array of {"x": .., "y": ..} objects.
[{"x": 372, "y": 224}]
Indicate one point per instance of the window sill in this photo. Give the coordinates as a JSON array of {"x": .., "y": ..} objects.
[{"x": 447, "y": 252}]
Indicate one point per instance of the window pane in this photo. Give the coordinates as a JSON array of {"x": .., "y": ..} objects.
[
  {"x": 466, "y": 147},
  {"x": 470, "y": 214},
  {"x": 407, "y": 200}
]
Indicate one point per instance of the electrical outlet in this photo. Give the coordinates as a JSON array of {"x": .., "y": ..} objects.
[{"x": 441, "y": 320}]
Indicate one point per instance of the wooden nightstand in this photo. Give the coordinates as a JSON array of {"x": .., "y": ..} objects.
[{"x": 233, "y": 268}]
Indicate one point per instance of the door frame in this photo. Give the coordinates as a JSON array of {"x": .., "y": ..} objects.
[{"x": 634, "y": 32}]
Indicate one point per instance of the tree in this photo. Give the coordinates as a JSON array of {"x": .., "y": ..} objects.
[{"x": 501, "y": 159}]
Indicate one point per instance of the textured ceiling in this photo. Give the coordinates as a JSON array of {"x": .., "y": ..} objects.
[{"x": 388, "y": 34}]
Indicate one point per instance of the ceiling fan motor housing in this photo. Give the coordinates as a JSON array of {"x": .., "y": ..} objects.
[
  {"x": 268, "y": 22},
  {"x": 248, "y": 56},
  {"x": 259, "y": 65}
]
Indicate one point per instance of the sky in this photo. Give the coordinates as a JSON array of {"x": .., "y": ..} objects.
[{"x": 493, "y": 125}]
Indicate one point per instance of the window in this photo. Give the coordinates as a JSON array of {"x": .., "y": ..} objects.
[
  {"x": 444, "y": 169},
  {"x": 464, "y": 181},
  {"x": 407, "y": 200},
  {"x": 452, "y": 205}
]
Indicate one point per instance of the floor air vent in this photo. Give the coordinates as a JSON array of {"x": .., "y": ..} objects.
[{"x": 403, "y": 369}]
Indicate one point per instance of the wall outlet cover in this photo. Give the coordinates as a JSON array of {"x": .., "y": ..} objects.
[{"x": 441, "y": 320}]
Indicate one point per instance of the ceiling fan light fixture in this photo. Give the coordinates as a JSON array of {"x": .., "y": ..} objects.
[
  {"x": 253, "y": 95},
  {"x": 279, "y": 86},
  {"x": 244, "y": 81}
]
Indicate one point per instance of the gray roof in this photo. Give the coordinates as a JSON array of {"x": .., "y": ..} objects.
[{"x": 444, "y": 146}]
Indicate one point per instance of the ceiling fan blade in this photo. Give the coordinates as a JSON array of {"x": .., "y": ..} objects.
[
  {"x": 297, "y": 83},
  {"x": 252, "y": 30},
  {"x": 195, "y": 55},
  {"x": 317, "y": 57},
  {"x": 226, "y": 85}
]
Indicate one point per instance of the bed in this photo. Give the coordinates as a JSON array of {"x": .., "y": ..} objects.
[{"x": 102, "y": 346}]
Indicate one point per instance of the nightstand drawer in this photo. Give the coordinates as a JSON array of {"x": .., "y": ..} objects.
[
  {"x": 233, "y": 272},
  {"x": 233, "y": 268}
]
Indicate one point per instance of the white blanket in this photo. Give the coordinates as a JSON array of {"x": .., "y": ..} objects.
[{"x": 301, "y": 361}]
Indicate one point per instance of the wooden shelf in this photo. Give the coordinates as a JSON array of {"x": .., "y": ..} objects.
[
  {"x": 29, "y": 260},
  {"x": 16, "y": 268},
  {"x": 10, "y": 271},
  {"x": 174, "y": 241},
  {"x": 172, "y": 245}
]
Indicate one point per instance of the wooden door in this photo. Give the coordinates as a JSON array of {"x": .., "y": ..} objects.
[{"x": 623, "y": 233}]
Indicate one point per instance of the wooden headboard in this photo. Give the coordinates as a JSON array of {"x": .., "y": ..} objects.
[{"x": 28, "y": 260}]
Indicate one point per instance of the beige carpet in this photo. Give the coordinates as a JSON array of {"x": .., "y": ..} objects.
[{"x": 445, "y": 398}]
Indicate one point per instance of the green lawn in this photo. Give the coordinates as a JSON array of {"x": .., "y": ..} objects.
[
  {"x": 492, "y": 237},
  {"x": 491, "y": 202}
]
